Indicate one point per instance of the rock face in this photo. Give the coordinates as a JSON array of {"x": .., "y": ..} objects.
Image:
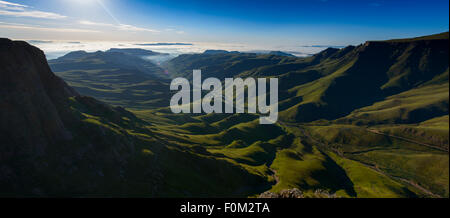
[
  {"x": 297, "y": 193},
  {"x": 286, "y": 193},
  {"x": 32, "y": 99},
  {"x": 46, "y": 146}
]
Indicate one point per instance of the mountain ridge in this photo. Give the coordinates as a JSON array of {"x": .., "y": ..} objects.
[
  {"x": 362, "y": 121},
  {"x": 55, "y": 142}
]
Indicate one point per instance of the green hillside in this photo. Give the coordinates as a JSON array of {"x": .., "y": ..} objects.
[
  {"x": 430, "y": 37},
  {"x": 117, "y": 77},
  {"x": 366, "y": 121}
]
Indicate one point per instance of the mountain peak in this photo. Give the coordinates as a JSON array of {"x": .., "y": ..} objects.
[
  {"x": 212, "y": 51},
  {"x": 326, "y": 53},
  {"x": 30, "y": 84},
  {"x": 439, "y": 36},
  {"x": 136, "y": 51},
  {"x": 280, "y": 53},
  {"x": 74, "y": 54}
]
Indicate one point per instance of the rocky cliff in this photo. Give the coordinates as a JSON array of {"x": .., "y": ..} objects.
[{"x": 50, "y": 136}]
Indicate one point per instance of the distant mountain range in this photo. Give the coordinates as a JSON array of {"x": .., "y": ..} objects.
[
  {"x": 163, "y": 44},
  {"x": 335, "y": 82},
  {"x": 136, "y": 51},
  {"x": 361, "y": 121},
  {"x": 117, "y": 76},
  {"x": 277, "y": 53}
]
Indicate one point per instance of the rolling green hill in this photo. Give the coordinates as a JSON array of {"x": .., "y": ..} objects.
[
  {"x": 334, "y": 82},
  {"x": 120, "y": 77},
  {"x": 362, "y": 121},
  {"x": 374, "y": 113}
]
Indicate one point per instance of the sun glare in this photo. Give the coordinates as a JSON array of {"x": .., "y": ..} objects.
[{"x": 85, "y": 2}]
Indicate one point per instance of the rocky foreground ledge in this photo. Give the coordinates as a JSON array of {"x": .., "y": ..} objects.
[{"x": 297, "y": 193}]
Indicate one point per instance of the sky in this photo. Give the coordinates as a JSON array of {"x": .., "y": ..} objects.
[{"x": 262, "y": 23}]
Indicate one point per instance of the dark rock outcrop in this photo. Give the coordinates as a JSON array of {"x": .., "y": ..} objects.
[
  {"x": 297, "y": 193},
  {"x": 32, "y": 99},
  {"x": 286, "y": 193},
  {"x": 46, "y": 146}
]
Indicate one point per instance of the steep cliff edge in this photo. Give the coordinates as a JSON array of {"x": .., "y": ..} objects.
[
  {"x": 41, "y": 119},
  {"x": 376, "y": 71},
  {"x": 32, "y": 97}
]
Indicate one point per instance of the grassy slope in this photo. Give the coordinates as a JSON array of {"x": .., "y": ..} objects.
[
  {"x": 376, "y": 70},
  {"x": 290, "y": 159},
  {"x": 116, "y": 78},
  {"x": 156, "y": 164},
  {"x": 232, "y": 155},
  {"x": 369, "y": 183},
  {"x": 396, "y": 157},
  {"x": 363, "y": 155},
  {"x": 433, "y": 131},
  {"x": 413, "y": 106},
  {"x": 430, "y": 37}
]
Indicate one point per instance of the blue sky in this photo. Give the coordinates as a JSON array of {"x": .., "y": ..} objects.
[{"x": 286, "y": 22}]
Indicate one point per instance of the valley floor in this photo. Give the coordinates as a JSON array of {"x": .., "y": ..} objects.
[{"x": 339, "y": 159}]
